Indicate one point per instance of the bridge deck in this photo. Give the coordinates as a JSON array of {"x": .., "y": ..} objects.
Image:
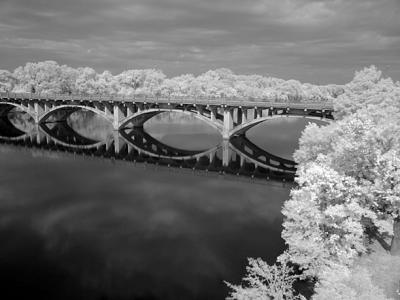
[{"x": 231, "y": 102}]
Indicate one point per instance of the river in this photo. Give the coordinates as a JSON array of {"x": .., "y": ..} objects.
[{"x": 79, "y": 227}]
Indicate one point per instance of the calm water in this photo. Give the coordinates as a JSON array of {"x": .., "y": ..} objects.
[{"x": 78, "y": 228}]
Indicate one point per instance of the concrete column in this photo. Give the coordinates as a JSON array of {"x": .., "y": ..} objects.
[
  {"x": 118, "y": 116},
  {"x": 257, "y": 113},
  {"x": 108, "y": 143},
  {"x": 239, "y": 116},
  {"x": 228, "y": 123},
  {"x": 211, "y": 157},
  {"x": 118, "y": 142},
  {"x": 244, "y": 115},
  {"x": 31, "y": 107},
  {"x": 242, "y": 161},
  {"x": 47, "y": 106},
  {"x": 130, "y": 109},
  {"x": 39, "y": 111},
  {"x": 213, "y": 112},
  {"x": 40, "y": 136},
  {"x": 107, "y": 109},
  {"x": 225, "y": 153}
]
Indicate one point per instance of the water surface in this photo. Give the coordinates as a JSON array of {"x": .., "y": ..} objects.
[{"x": 79, "y": 228}]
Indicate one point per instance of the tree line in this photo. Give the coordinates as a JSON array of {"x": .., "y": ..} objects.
[{"x": 48, "y": 77}]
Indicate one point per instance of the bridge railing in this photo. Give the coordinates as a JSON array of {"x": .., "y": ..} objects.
[{"x": 233, "y": 102}]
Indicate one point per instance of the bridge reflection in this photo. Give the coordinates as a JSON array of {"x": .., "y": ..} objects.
[{"x": 237, "y": 155}]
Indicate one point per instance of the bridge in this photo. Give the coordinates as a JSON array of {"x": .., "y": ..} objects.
[{"x": 229, "y": 116}]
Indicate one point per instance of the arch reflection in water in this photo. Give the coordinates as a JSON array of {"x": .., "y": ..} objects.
[
  {"x": 237, "y": 156},
  {"x": 8, "y": 130}
]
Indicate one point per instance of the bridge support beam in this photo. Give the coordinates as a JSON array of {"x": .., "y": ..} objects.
[
  {"x": 40, "y": 136},
  {"x": 118, "y": 142},
  {"x": 228, "y": 123},
  {"x": 242, "y": 161},
  {"x": 244, "y": 115},
  {"x": 130, "y": 108},
  {"x": 225, "y": 153},
  {"x": 213, "y": 112},
  {"x": 107, "y": 109},
  {"x": 118, "y": 116},
  {"x": 239, "y": 116},
  {"x": 39, "y": 110}
]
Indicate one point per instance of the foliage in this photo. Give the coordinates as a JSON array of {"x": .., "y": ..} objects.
[
  {"x": 348, "y": 190},
  {"x": 49, "y": 77},
  {"x": 348, "y": 185},
  {"x": 348, "y": 194},
  {"x": 263, "y": 281},
  {"x": 367, "y": 88},
  {"x": 7, "y": 81},
  {"x": 374, "y": 276}
]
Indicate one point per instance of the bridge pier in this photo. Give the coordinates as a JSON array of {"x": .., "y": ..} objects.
[
  {"x": 107, "y": 109},
  {"x": 118, "y": 142},
  {"x": 213, "y": 112},
  {"x": 239, "y": 116},
  {"x": 130, "y": 109},
  {"x": 40, "y": 136},
  {"x": 211, "y": 157},
  {"x": 228, "y": 122},
  {"x": 242, "y": 161},
  {"x": 39, "y": 110},
  {"x": 244, "y": 115},
  {"x": 225, "y": 153},
  {"x": 117, "y": 116}
]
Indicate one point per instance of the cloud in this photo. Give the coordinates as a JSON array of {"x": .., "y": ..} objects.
[{"x": 310, "y": 40}]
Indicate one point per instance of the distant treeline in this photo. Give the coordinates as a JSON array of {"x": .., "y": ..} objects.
[{"x": 51, "y": 78}]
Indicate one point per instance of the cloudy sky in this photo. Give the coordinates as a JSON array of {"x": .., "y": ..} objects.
[{"x": 310, "y": 40}]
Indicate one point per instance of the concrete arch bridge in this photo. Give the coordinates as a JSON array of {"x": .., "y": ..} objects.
[{"x": 229, "y": 116}]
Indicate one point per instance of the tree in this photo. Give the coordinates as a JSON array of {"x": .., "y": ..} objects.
[
  {"x": 68, "y": 78},
  {"x": 263, "y": 281},
  {"x": 41, "y": 77},
  {"x": 86, "y": 81},
  {"x": 348, "y": 192},
  {"x": 374, "y": 276},
  {"x": 7, "y": 81},
  {"x": 129, "y": 81},
  {"x": 152, "y": 82}
]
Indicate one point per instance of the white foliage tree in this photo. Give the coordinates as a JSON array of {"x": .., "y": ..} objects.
[
  {"x": 263, "y": 281},
  {"x": 7, "y": 81},
  {"x": 348, "y": 192},
  {"x": 41, "y": 77}
]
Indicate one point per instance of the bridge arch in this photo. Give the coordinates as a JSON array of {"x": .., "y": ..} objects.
[
  {"x": 260, "y": 157},
  {"x": 9, "y": 131},
  {"x": 143, "y": 142},
  {"x": 7, "y": 106},
  {"x": 64, "y": 135},
  {"x": 72, "y": 108},
  {"x": 139, "y": 118},
  {"x": 246, "y": 126}
]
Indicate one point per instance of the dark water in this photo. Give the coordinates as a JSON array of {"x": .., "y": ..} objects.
[{"x": 78, "y": 228}]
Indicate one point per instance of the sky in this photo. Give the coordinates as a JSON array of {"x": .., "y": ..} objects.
[{"x": 309, "y": 40}]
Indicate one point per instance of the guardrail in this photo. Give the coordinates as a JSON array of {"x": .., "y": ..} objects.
[{"x": 232, "y": 102}]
